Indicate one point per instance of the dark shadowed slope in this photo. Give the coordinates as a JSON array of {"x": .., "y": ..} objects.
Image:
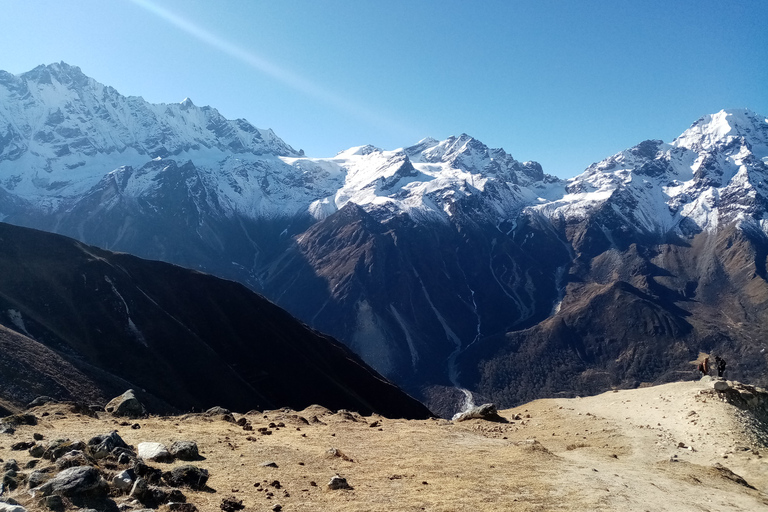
[{"x": 86, "y": 323}]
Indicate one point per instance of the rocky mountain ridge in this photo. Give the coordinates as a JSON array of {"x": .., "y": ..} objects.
[{"x": 422, "y": 259}]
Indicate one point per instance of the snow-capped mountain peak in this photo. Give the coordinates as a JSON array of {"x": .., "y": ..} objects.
[{"x": 720, "y": 129}]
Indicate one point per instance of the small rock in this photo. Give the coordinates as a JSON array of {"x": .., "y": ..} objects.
[
  {"x": 187, "y": 476},
  {"x": 338, "y": 483},
  {"x": 7, "y": 507},
  {"x": 123, "y": 481},
  {"x": 335, "y": 452},
  {"x": 37, "y": 451},
  {"x": 268, "y": 464},
  {"x": 180, "y": 507},
  {"x": 721, "y": 385},
  {"x": 154, "y": 451},
  {"x": 53, "y": 502},
  {"x": 21, "y": 445},
  {"x": 231, "y": 504},
  {"x": 37, "y": 436}
]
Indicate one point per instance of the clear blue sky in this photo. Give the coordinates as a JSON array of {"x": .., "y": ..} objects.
[{"x": 565, "y": 83}]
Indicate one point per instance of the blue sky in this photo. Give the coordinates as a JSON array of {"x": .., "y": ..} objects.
[{"x": 566, "y": 83}]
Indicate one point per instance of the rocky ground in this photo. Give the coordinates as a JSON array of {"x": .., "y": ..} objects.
[{"x": 681, "y": 446}]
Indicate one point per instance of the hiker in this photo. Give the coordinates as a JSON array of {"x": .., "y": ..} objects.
[
  {"x": 720, "y": 365},
  {"x": 704, "y": 367}
]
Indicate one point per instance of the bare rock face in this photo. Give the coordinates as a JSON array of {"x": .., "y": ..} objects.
[{"x": 126, "y": 405}]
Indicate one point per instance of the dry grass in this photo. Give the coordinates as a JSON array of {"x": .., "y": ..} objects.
[{"x": 436, "y": 465}]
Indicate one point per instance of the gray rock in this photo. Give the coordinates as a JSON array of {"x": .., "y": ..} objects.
[
  {"x": 185, "y": 450},
  {"x": 721, "y": 385},
  {"x": 123, "y": 481},
  {"x": 7, "y": 507},
  {"x": 104, "y": 445},
  {"x": 41, "y": 400},
  {"x": 52, "y": 502},
  {"x": 80, "y": 480},
  {"x": 154, "y": 451},
  {"x": 484, "y": 412},
  {"x": 126, "y": 405},
  {"x": 37, "y": 478},
  {"x": 217, "y": 411},
  {"x": 72, "y": 459},
  {"x": 187, "y": 476},
  {"x": 140, "y": 489},
  {"x": 338, "y": 483}
]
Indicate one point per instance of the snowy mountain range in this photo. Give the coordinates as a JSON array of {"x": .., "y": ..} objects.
[{"x": 421, "y": 258}]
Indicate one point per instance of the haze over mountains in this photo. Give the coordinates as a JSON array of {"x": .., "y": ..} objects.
[{"x": 444, "y": 265}]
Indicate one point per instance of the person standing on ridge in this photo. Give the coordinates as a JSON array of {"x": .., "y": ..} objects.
[{"x": 720, "y": 366}]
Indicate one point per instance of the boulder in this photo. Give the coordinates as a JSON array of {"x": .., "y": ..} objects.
[
  {"x": 483, "y": 412},
  {"x": 185, "y": 450},
  {"x": 338, "y": 483},
  {"x": 721, "y": 385},
  {"x": 77, "y": 481},
  {"x": 187, "y": 476},
  {"x": 154, "y": 451},
  {"x": 126, "y": 405}
]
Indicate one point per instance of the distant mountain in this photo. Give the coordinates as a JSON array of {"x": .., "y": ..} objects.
[
  {"x": 86, "y": 324},
  {"x": 420, "y": 259}
]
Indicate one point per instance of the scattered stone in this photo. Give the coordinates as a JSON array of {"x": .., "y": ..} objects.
[
  {"x": 335, "y": 452},
  {"x": 22, "y": 445},
  {"x": 217, "y": 411},
  {"x": 154, "y": 451},
  {"x": 7, "y": 507},
  {"x": 53, "y": 502},
  {"x": 277, "y": 507},
  {"x": 268, "y": 464},
  {"x": 72, "y": 459},
  {"x": 486, "y": 412},
  {"x": 123, "y": 481},
  {"x": 20, "y": 419},
  {"x": 37, "y": 436},
  {"x": 58, "y": 447},
  {"x": 126, "y": 405},
  {"x": 276, "y": 484},
  {"x": 180, "y": 507},
  {"x": 140, "y": 489},
  {"x": 231, "y": 504},
  {"x": 106, "y": 444},
  {"x": 375, "y": 424},
  {"x": 185, "y": 450},
  {"x": 187, "y": 476},
  {"x": 721, "y": 385},
  {"x": 338, "y": 483},
  {"x": 75, "y": 481}
]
